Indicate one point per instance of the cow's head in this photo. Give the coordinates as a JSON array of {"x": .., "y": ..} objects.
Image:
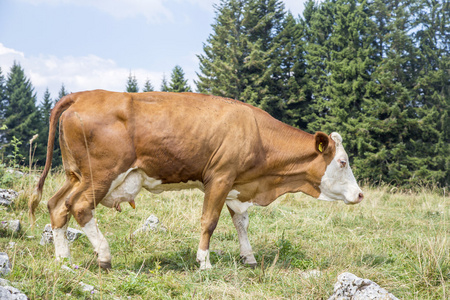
[{"x": 338, "y": 182}]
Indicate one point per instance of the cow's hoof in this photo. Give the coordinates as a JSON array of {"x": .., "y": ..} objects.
[
  {"x": 249, "y": 261},
  {"x": 105, "y": 265},
  {"x": 205, "y": 266}
]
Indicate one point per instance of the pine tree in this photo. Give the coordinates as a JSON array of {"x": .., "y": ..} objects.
[
  {"x": 264, "y": 20},
  {"x": 57, "y": 159},
  {"x": 244, "y": 56},
  {"x": 318, "y": 21},
  {"x": 346, "y": 56},
  {"x": 2, "y": 95},
  {"x": 21, "y": 114},
  {"x": 132, "y": 84},
  {"x": 44, "y": 112},
  {"x": 148, "y": 87},
  {"x": 177, "y": 82},
  {"x": 221, "y": 65},
  {"x": 164, "y": 84},
  {"x": 289, "y": 73},
  {"x": 431, "y": 143},
  {"x": 389, "y": 118},
  {"x": 62, "y": 92},
  {"x": 2, "y": 110}
]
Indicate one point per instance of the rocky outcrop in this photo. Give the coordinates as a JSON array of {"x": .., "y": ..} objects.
[
  {"x": 351, "y": 287},
  {"x": 7, "y": 292}
]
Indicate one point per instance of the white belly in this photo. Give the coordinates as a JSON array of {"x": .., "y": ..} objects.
[{"x": 128, "y": 184}]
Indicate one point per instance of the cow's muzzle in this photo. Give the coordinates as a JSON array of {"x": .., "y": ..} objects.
[{"x": 356, "y": 200}]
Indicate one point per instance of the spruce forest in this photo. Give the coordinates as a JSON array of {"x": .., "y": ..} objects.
[{"x": 376, "y": 71}]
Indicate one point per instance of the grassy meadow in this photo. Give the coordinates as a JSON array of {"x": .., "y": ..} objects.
[{"x": 397, "y": 239}]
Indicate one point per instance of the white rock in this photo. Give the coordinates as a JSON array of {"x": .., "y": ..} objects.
[
  {"x": 5, "y": 264},
  {"x": 86, "y": 287},
  {"x": 13, "y": 290},
  {"x": 7, "y": 196},
  {"x": 64, "y": 267},
  {"x": 151, "y": 224},
  {"x": 152, "y": 221},
  {"x": 11, "y": 293},
  {"x": 4, "y": 282},
  {"x": 72, "y": 234},
  {"x": 47, "y": 235},
  {"x": 5, "y": 294},
  {"x": 351, "y": 287},
  {"x": 12, "y": 225},
  {"x": 16, "y": 173}
]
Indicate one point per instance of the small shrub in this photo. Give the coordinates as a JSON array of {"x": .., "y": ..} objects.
[{"x": 6, "y": 178}]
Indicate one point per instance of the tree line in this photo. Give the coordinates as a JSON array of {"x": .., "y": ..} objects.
[
  {"x": 22, "y": 117},
  {"x": 376, "y": 71},
  {"x": 177, "y": 84}
]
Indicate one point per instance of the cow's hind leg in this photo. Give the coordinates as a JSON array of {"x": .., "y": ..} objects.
[
  {"x": 59, "y": 217},
  {"x": 83, "y": 210},
  {"x": 241, "y": 222}
]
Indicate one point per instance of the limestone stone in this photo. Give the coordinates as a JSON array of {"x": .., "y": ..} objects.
[
  {"x": 5, "y": 264},
  {"x": 11, "y": 226},
  {"x": 7, "y": 196},
  {"x": 351, "y": 287},
  {"x": 151, "y": 224}
]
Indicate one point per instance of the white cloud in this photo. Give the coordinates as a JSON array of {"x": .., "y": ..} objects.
[
  {"x": 206, "y": 5},
  {"x": 155, "y": 11},
  {"x": 8, "y": 56},
  {"x": 76, "y": 73}
]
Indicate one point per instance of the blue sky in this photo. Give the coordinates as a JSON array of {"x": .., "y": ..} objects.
[{"x": 90, "y": 44}]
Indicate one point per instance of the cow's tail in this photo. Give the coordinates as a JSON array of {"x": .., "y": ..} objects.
[{"x": 63, "y": 104}]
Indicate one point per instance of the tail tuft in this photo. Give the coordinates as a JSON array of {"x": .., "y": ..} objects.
[{"x": 32, "y": 205}]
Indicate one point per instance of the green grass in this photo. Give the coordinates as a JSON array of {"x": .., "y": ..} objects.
[{"x": 399, "y": 240}]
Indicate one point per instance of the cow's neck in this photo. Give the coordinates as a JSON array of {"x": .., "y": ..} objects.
[{"x": 289, "y": 154}]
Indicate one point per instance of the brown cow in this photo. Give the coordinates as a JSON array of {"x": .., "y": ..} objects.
[{"x": 113, "y": 144}]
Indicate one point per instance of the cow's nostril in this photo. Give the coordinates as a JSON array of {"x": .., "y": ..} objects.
[{"x": 361, "y": 197}]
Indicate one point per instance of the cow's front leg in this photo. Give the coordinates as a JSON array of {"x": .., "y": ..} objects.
[
  {"x": 215, "y": 195},
  {"x": 241, "y": 222},
  {"x": 84, "y": 216}
]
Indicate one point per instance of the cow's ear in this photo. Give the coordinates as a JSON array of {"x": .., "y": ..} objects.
[{"x": 322, "y": 141}]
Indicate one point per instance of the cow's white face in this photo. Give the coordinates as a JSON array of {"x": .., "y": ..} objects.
[{"x": 338, "y": 182}]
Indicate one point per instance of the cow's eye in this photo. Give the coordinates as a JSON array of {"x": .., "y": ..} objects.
[{"x": 342, "y": 162}]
